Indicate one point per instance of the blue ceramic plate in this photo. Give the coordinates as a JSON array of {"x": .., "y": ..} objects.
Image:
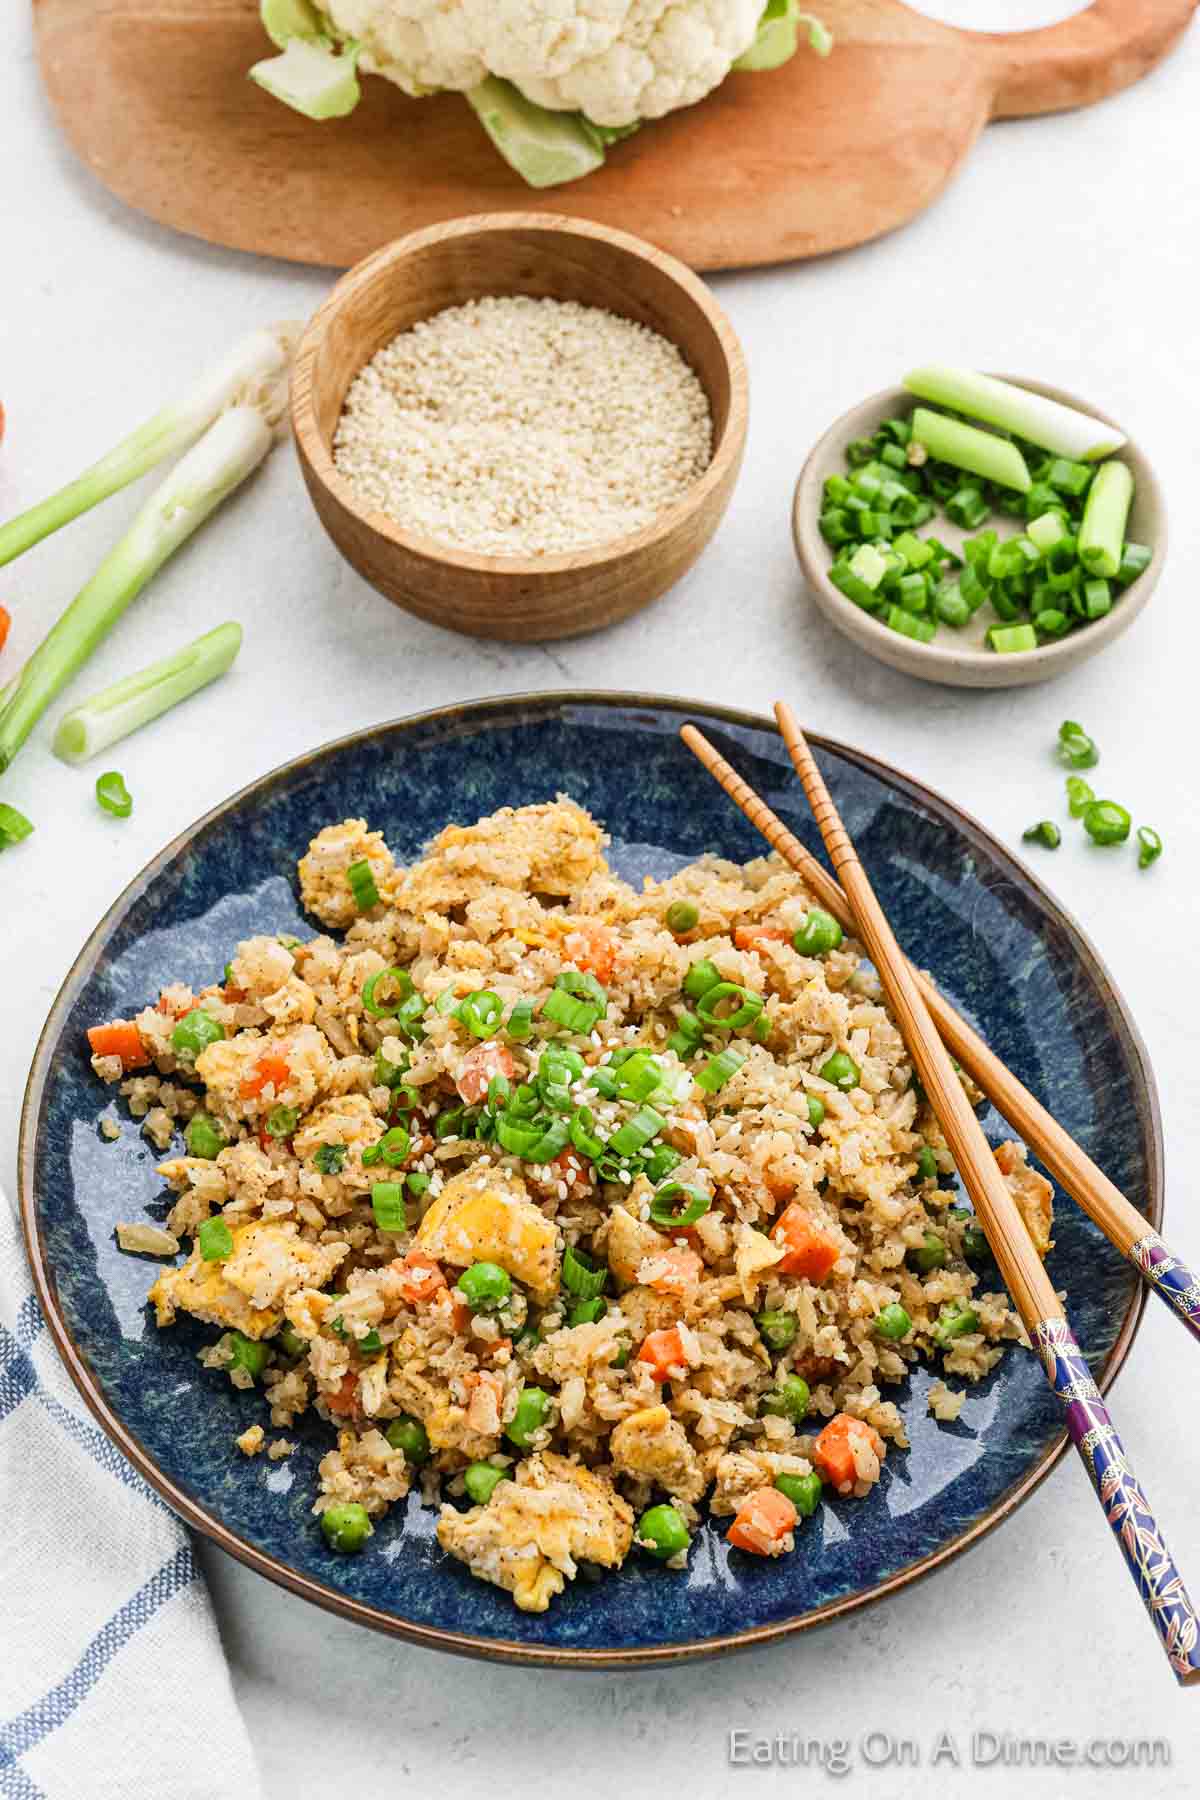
[{"x": 1002, "y": 949}]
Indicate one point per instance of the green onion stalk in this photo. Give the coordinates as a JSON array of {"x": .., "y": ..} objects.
[
  {"x": 212, "y": 469},
  {"x": 253, "y": 373},
  {"x": 112, "y": 714}
]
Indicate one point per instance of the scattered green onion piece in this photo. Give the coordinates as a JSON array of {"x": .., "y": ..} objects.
[
  {"x": 195, "y": 1032},
  {"x": 388, "y": 1074},
  {"x": 966, "y": 447},
  {"x": 581, "y": 1275},
  {"x": 583, "y": 984},
  {"x": 718, "y": 1070},
  {"x": 112, "y": 794},
  {"x": 552, "y": 1141},
  {"x": 387, "y": 1204},
  {"x": 1079, "y": 795},
  {"x": 519, "y": 1024},
  {"x": 583, "y": 1133},
  {"x": 408, "y": 1017},
  {"x": 449, "y": 1123},
  {"x": 927, "y": 1168},
  {"x": 747, "y": 1009},
  {"x": 362, "y": 886},
  {"x": 516, "y": 1138},
  {"x": 248, "y": 1353},
  {"x": 1106, "y": 823},
  {"x": 636, "y": 1132},
  {"x": 290, "y": 1341},
  {"x": 398, "y": 979},
  {"x": 662, "y": 1161},
  {"x": 203, "y": 1137},
  {"x": 1102, "y": 532},
  {"x": 663, "y": 1206},
  {"x": 1044, "y": 832},
  {"x": 841, "y": 1071},
  {"x": 855, "y": 590},
  {"x": 682, "y": 917},
  {"x": 967, "y": 507},
  {"x": 1135, "y": 560},
  {"x": 481, "y": 1481},
  {"x": 1046, "y": 530},
  {"x": 587, "y": 1312},
  {"x": 107, "y": 717},
  {"x": 893, "y": 1323},
  {"x": 951, "y": 604},
  {"x": 394, "y": 1146},
  {"x": 215, "y": 1240},
  {"x": 329, "y": 1159},
  {"x": 700, "y": 977},
  {"x": 1150, "y": 846},
  {"x": 578, "y": 1016},
  {"x": 1051, "y": 623},
  {"x": 868, "y": 565},
  {"x": 481, "y": 1012},
  {"x": 819, "y": 933},
  {"x": 638, "y": 1076},
  {"x": 370, "y": 1344}
]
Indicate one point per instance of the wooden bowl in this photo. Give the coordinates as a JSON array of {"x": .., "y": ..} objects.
[
  {"x": 961, "y": 658},
  {"x": 516, "y": 598}
]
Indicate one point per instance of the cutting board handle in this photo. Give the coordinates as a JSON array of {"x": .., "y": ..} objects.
[{"x": 1086, "y": 58}]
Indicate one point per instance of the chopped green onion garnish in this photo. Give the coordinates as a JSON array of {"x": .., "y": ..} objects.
[
  {"x": 578, "y": 1016},
  {"x": 329, "y": 1159},
  {"x": 1044, "y": 832},
  {"x": 1079, "y": 795},
  {"x": 1106, "y": 823},
  {"x": 638, "y": 1076},
  {"x": 1150, "y": 846},
  {"x": 387, "y": 1203},
  {"x": 676, "y": 1206},
  {"x": 718, "y": 1069},
  {"x": 481, "y": 1012},
  {"x": 583, "y": 984},
  {"x": 581, "y": 1275},
  {"x": 386, "y": 991},
  {"x": 248, "y": 1354},
  {"x": 394, "y": 1146},
  {"x": 362, "y": 886},
  {"x": 215, "y": 1240},
  {"x": 636, "y": 1132},
  {"x": 551, "y": 1141},
  {"x": 519, "y": 1024},
  {"x": 746, "y": 1008},
  {"x": 114, "y": 797},
  {"x": 583, "y": 1133},
  {"x": 661, "y": 1161}
]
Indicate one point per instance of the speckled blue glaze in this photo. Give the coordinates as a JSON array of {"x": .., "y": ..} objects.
[{"x": 961, "y": 906}]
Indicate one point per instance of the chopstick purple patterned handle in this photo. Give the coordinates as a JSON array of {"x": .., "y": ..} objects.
[
  {"x": 1170, "y": 1279},
  {"x": 1120, "y": 1493}
]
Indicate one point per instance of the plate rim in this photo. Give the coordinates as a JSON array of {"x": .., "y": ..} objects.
[{"x": 508, "y": 1650}]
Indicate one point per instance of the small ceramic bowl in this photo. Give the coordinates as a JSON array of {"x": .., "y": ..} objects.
[
  {"x": 519, "y": 599},
  {"x": 961, "y": 658}
]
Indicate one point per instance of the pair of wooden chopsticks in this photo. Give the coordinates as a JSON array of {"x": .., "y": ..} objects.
[{"x": 932, "y": 1030}]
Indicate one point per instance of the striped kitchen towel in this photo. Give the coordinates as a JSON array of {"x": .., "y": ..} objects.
[{"x": 113, "y": 1685}]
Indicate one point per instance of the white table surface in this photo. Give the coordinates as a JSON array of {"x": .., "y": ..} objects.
[{"x": 1067, "y": 250}]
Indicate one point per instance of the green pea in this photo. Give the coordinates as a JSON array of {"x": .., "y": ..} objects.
[
  {"x": 776, "y": 1328},
  {"x": 203, "y": 1137},
  {"x": 954, "y": 1321},
  {"x": 893, "y": 1322},
  {"x": 816, "y": 1111},
  {"x": 282, "y": 1121},
  {"x": 485, "y": 1286},
  {"x": 682, "y": 916},
  {"x": 841, "y": 1071},
  {"x": 481, "y": 1481},
  {"x": 215, "y": 1240},
  {"x": 819, "y": 933},
  {"x": 700, "y": 977},
  {"x": 927, "y": 1168},
  {"x": 790, "y": 1400},
  {"x": 931, "y": 1255},
  {"x": 346, "y": 1528},
  {"x": 804, "y": 1492},
  {"x": 291, "y": 1343},
  {"x": 409, "y": 1436},
  {"x": 586, "y": 1312},
  {"x": 662, "y": 1532},
  {"x": 974, "y": 1244},
  {"x": 195, "y": 1032},
  {"x": 1106, "y": 823},
  {"x": 533, "y": 1403},
  {"x": 248, "y": 1353}
]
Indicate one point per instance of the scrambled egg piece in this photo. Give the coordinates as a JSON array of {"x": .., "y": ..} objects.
[
  {"x": 529, "y": 1535},
  {"x": 653, "y": 1446},
  {"x": 1032, "y": 1192},
  {"x": 324, "y": 888},
  {"x": 630, "y": 1241},
  {"x": 753, "y": 1259},
  {"x": 245, "y": 1292},
  {"x": 486, "y": 1216},
  {"x": 554, "y": 848}
]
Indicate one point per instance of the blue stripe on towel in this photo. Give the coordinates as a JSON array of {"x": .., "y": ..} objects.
[
  {"x": 18, "y": 1376},
  {"x": 56, "y": 1706}
]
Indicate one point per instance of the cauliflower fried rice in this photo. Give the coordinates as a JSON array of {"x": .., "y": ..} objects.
[{"x": 585, "y": 1223}]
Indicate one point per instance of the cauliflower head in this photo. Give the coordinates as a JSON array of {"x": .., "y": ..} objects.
[{"x": 616, "y": 61}]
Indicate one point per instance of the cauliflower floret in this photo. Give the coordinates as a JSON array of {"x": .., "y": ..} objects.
[
  {"x": 484, "y": 1215},
  {"x": 618, "y": 61},
  {"x": 324, "y": 888},
  {"x": 529, "y": 1535}
]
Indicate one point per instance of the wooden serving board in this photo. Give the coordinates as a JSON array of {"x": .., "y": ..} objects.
[{"x": 816, "y": 156}]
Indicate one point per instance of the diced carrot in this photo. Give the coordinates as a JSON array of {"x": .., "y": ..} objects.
[
  {"x": 233, "y": 996},
  {"x": 481, "y": 1064},
  {"x": 269, "y": 1070},
  {"x": 420, "y": 1276},
  {"x": 663, "y": 1351},
  {"x": 5, "y": 622},
  {"x": 833, "y": 1452},
  {"x": 675, "y": 1271},
  {"x": 122, "y": 1039},
  {"x": 592, "y": 948},
  {"x": 764, "y": 1519},
  {"x": 807, "y": 1251},
  {"x": 345, "y": 1400},
  {"x": 749, "y": 937}
]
